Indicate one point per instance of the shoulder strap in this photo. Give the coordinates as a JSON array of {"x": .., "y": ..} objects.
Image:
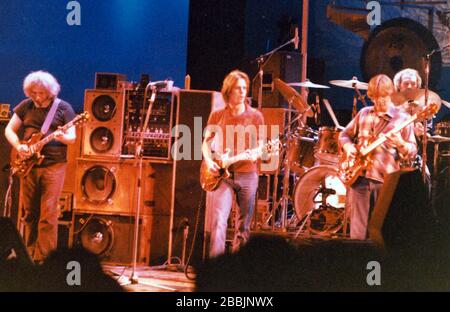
[{"x": 50, "y": 116}]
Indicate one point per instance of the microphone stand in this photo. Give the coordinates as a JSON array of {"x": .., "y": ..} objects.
[
  {"x": 425, "y": 128},
  {"x": 262, "y": 61},
  {"x": 284, "y": 199},
  {"x": 139, "y": 153},
  {"x": 427, "y": 60}
]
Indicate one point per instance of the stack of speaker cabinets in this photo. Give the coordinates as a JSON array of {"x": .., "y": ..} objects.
[
  {"x": 107, "y": 186},
  {"x": 107, "y": 182}
]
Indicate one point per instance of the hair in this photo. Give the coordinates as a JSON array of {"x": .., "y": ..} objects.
[
  {"x": 380, "y": 86},
  {"x": 407, "y": 71},
  {"x": 229, "y": 82},
  {"x": 42, "y": 79}
]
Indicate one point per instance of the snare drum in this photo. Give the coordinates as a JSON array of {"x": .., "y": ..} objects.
[
  {"x": 301, "y": 150},
  {"x": 327, "y": 148}
]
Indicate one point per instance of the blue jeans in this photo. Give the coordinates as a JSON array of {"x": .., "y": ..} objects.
[
  {"x": 40, "y": 196},
  {"x": 218, "y": 208},
  {"x": 361, "y": 198}
]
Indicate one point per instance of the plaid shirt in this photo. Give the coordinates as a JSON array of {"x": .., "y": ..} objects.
[{"x": 368, "y": 124}]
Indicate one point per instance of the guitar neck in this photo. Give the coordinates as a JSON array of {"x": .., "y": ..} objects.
[
  {"x": 382, "y": 138},
  {"x": 242, "y": 156},
  {"x": 38, "y": 145}
]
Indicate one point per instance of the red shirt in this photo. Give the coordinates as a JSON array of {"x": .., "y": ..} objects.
[{"x": 238, "y": 134}]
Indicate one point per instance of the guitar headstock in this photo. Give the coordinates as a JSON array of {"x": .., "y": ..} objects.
[
  {"x": 428, "y": 111},
  {"x": 81, "y": 118}
]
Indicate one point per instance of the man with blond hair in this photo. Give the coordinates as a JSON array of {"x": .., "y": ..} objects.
[{"x": 370, "y": 123}]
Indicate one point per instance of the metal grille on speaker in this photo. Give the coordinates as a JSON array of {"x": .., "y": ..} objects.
[{"x": 98, "y": 184}]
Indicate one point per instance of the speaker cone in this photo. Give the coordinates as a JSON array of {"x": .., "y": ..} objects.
[
  {"x": 104, "y": 108},
  {"x": 97, "y": 236},
  {"x": 101, "y": 140},
  {"x": 98, "y": 184}
]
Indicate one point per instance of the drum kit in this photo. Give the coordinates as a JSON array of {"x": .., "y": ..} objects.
[{"x": 318, "y": 196}]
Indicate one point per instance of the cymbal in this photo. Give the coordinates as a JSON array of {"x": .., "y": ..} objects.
[
  {"x": 308, "y": 84},
  {"x": 294, "y": 97},
  {"x": 351, "y": 84},
  {"x": 438, "y": 139},
  {"x": 414, "y": 99}
]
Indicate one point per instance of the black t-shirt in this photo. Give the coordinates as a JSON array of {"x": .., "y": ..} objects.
[{"x": 33, "y": 117}]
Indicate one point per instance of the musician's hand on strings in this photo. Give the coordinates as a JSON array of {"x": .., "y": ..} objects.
[
  {"x": 350, "y": 150},
  {"x": 59, "y": 135},
  {"x": 396, "y": 139},
  {"x": 23, "y": 150},
  {"x": 213, "y": 167}
]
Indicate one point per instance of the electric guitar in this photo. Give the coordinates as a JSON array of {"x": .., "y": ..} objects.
[
  {"x": 210, "y": 181},
  {"x": 22, "y": 165},
  {"x": 350, "y": 168}
]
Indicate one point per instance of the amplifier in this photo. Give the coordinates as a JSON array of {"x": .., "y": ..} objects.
[{"x": 158, "y": 134}]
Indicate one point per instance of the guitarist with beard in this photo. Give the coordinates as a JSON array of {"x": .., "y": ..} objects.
[
  {"x": 369, "y": 124},
  {"x": 227, "y": 128},
  {"x": 43, "y": 185}
]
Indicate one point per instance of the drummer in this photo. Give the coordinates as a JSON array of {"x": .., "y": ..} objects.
[{"x": 407, "y": 81}]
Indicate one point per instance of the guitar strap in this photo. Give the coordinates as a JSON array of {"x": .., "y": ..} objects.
[{"x": 50, "y": 116}]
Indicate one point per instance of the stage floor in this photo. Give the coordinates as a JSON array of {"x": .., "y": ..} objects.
[{"x": 151, "y": 279}]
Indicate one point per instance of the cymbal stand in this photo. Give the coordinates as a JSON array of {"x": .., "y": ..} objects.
[
  {"x": 356, "y": 97},
  {"x": 425, "y": 123}
]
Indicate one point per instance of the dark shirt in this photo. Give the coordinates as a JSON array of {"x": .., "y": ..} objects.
[{"x": 33, "y": 117}]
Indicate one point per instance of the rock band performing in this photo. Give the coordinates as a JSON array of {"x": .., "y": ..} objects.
[{"x": 312, "y": 164}]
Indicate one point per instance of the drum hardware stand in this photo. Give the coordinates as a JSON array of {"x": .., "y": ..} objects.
[
  {"x": 356, "y": 97},
  {"x": 434, "y": 181},
  {"x": 307, "y": 219}
]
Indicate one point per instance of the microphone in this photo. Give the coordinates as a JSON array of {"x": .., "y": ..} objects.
[
  {"x": 158, "y": 84},
  {"x": 437, "y": 51},
  {"x": 296, "y": 38}
]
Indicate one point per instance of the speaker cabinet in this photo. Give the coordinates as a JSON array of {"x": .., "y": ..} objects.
[
  {"x": 110, "y": 237},
  {"x": 103, "y": 134},
  {"x": 284, "y": 65},
  {"x": 4, "y": 175},
  {"x": 110, "y": 186},
  {"x": 187, "y": 202}
]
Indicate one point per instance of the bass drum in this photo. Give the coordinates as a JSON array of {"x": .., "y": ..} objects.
[{"x": 321, "y": 193}]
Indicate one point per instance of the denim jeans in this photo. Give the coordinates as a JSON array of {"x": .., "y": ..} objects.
[
  {"x": 218, "y": 208},
  {"x": 41, "y": 191},
  {"x": 361, "y": 198}
]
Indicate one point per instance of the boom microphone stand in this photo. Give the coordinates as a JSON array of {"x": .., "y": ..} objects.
[
  {"x": 139, "y": 156},
  {"x": 262, "y": 61}
]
